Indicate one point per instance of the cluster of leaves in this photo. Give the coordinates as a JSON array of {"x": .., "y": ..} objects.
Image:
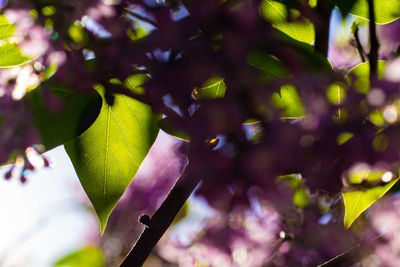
[{"x": 246, "y": 83}]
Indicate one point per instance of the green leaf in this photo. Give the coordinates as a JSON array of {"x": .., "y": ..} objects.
[
  {"x": 212, "y": 88},
  {"x": 289, "y": 100},
  {"x": 166, "y": 125},
  {"x": 89, "y": 256},
  {"x": 385, "y": 10},
  {"x": 300, "y": 197},
  {"x": 336, "y": 93},
  {"x": 78, "y": 111},
  {"x": 357, "y": 201},
  {"x": 359, "y": 76},
  {"x": 299, "y": 28},
  {"x": 107, "y": 156},
  {"x": 10, "y": 55},
  {"x": 345, "y": 6},
  {"x": 7, "y": 29},
  {"x": 267, "y": 63}
]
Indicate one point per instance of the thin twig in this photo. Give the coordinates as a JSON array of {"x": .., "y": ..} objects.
[
  {"x": 373, "y": 53},
  {"x": 162, "y": 219},
  {"x": 353, "y": 255},
  {"x": 359, "y": 46}
]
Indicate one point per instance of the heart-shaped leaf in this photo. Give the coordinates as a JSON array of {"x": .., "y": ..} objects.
[{"x": 107, "y": 156}]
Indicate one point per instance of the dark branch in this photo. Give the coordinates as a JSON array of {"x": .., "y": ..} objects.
[
  {"x": 161, "y": 220},
  {"x": 322, "y": 24},
  {"x": 373, "y": 54}
]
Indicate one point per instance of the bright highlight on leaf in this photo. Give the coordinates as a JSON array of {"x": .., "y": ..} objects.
[
  {"x": 357, "y": 201},
  {"x": 300, "y": 28},
  {"x": 107, "y": 156},
  {"x": 385, "y": 10}
]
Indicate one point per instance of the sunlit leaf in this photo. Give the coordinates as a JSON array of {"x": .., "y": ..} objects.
[
  {"x": 212, "y": 88},
  {"x": 267, "y": 63},
  {"x": 85, "y": 257},
  {"x": 359, "y": 76},
  {"x": 7, "y": 29},
  {"x": 336, "y": 93},
  {"x": 289, "y": 100},
  {"x": 78, "y": 110},
  {"x": 385, "y": 10},
  {"x": 357, "y": 201},
  {"x": 300, "y": 197},
  {"x": 135, "y": 82},
  {"x": 299, "y": 28},
  {"x": 107, "y": 156},
  {"x": 11, "y": 55}
]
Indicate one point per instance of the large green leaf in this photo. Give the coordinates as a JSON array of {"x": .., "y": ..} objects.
[
  {"x": 299, "y": 28},
  {"x": 11, "y": 55},
  {"x": 289, "y": 100},
  {"x": 78, "y": 111},
  {"x": 86, "y": 257},
  {"x": 385, "y": 10},
  {"x": 359, "y": 76},
  {"x": 107, "y": 156},
  {"x": 357, "y": 201},
  {"x": 7, "y": 29}
]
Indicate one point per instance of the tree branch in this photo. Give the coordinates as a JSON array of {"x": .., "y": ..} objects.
[
  {"x": 322, "y": 24},
  {"x": 161, "y": 220},
  {"x": 373, "y": 54}
]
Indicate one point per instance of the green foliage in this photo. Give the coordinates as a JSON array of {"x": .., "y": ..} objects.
[
  {"x": 290, "y": 23},
  {"x": 359, "y": 76},
  {"x": 270, "y": 65},
  {"x": 11, "y": 55},
  {"x": 78, "y": 111},
  {"x": 212, "y": 88},
  {"x": 385, "y": 10},
  {"x": 89, "y": 256},
  {"x": 358, "y": 200},
  {"x": 345, "y": 6},
  {"x": 300, "y": 195},
  {"x": 6, "y": 28},
  {"x": 135, "y": 82},
  {"x": 289, "y": 100},
  {"x": 166, "y": 125},
  {"x": 107, "y": 156},
  {"x": 336, "y": 93}
]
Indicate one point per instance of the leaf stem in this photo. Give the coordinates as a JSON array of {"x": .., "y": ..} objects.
[{"x": 161, "y": 219}]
